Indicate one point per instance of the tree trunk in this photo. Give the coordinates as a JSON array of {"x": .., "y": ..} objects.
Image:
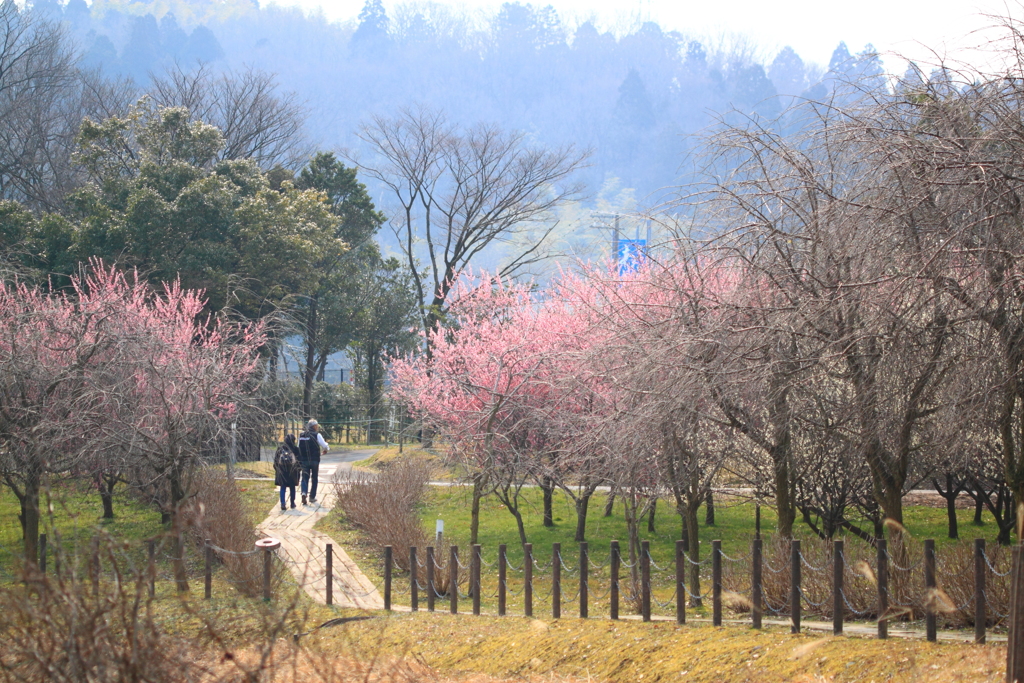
[
  {"x": 520, "y": 526},
  {"x": 892, "y": 506},
  {"x": 107, "y": 496},
  {"x": 478, "y": 494},
  {"x": 979, "y": 508},
  {"x": 633, "y": 528},
  {"x": 30, "y": 507},
  {"x": 954, "y": 531},
  {"x": 106, "y": 486},
  {"x": 650, "y": 515},
  {"x": 582, "y": 505},
  {"x": 177, "y": 497},
  {"x": 548, "y": 487},
  {"x": 694, "y": 542},
  {"x": 308, "y": 372},
  {"x": 609, "y": 504},
  {"x": 709, "y": 511}
]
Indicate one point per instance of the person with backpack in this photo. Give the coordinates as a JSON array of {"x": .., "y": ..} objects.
[
  {"x": 311, "y": 445},
  {"x": 286, "y": 468}
]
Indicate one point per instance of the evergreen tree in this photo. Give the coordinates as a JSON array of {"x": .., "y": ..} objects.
[
  {"x": 141, "y": 54},
  {"x": 788, "y": 73},
  {"x": 201, "y": 46},
  {"x": 633, "y": 107},
  {"x": 371, "y": 35}
]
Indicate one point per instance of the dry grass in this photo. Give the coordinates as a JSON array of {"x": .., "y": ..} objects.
[
  {"x": 218, "y": 513},
  {"x": 909, "y": 599},
  {"x": 384, "y": 505},
  {"x": 627, "y": 651}
]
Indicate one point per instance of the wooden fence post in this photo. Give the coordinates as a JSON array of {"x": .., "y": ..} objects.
[
  {"x": 387, "y": 577},
  {"x": 528, "y": 579},
  {"x": 414, "y": 596},
  {"x": 680, "y": 583},
  {"x": 266, "y": 574},
  {"x": 837, "y": 588},
  {"x": 614, "y": 588},
  {"x": 208, "y": 569},
  {"x": 757, "y": 585},
  {"x": 329, "y": 574},
  {"x": 584, "y": 580},
  {"x": 1015, "y": 638},
  {"x": 431, "y": 588},
  {"x": 980, "y": 608},
  {"x": 152, "y": 568},
  {"x": 556, "y": 580},
  {"x": 474, "y": 573},
  {"x": 794, "y": 585},
  {"x": 453, "y": 579},
  {"x": 930, "y": 622},
  {"x": 502, "y": 578},
  {"x": 95, "y": 565},
  {"x": 645, "y": 580},
  {"x": 716, "y": 583},
  {"x": 182, "y": 579},
  {"x": 882, "y": 576}
]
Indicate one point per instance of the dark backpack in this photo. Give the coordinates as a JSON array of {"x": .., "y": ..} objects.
[{"x": 286, "y": 460}]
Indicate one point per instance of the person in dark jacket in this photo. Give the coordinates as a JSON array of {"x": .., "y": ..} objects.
[
  {"x": 311, "y": 445},
  {"x": 286, "y": 468}
]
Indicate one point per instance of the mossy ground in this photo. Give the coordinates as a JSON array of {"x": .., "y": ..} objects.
[{"x": 626, "y": 651}]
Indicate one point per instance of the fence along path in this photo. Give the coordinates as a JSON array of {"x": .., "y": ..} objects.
[{"x": 304, "y": 550}]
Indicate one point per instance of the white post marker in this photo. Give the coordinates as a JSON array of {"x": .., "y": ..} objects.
[
  {"x": 439, "y": 533},
  {"x": 232, "y": 454}
]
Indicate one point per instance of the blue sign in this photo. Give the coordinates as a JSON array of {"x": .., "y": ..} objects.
[{"x": 631, "y": 256}]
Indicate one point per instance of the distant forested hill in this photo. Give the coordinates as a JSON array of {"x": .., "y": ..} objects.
[{"x": 631, "y": 98}]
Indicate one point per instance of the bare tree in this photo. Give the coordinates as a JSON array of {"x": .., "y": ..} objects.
[
  {"x": 257, "y": 120},
  {"x": 458, "y": 192}
]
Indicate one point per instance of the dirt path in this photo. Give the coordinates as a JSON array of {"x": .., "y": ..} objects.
[{"x": 304, "y": 550}]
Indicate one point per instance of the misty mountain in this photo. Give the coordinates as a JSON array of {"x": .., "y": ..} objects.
[{"x": 632, "y": 98}]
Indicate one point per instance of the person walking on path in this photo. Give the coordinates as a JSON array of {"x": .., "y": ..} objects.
[
  {"x": 286, "y": 468},
  {"x": 311, "y": 445}
]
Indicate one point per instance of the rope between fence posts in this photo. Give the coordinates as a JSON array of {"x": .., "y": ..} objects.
[
  {"x": 768, "y": 604},
  {"x": 810, "y": 566},
  {"x": 237, "y": 553},
  {"x": 698, "y": 564},
  {"x": 668, "y": 603},
  {"x": 992, "y": 568},
  {"x": 903, "y": 569},
  {"x": 850, "y": 607},
  {"x": 992, "y": 607},
  {"x": 848, "y": 568},
  {"x": 766, "y": 565},
  {"x": 512, "y": 592},
  {"x": 653, "y": 563},
  {"x": 698, "y": 597},
  {"x": 737, "y": 559},
  {"x": 808, "y": 600}
]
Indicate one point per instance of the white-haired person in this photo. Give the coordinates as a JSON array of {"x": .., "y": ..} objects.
[{"x": 311, "y": 445}]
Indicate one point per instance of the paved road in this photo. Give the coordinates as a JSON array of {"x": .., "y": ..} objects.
[{"x": 304, "y": 550}]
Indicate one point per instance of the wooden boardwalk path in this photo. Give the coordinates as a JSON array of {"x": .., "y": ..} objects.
[{"x": 304, "y": 550}]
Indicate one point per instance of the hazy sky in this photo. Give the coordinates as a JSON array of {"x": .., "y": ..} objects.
[{"x": 812, "y": 27}]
